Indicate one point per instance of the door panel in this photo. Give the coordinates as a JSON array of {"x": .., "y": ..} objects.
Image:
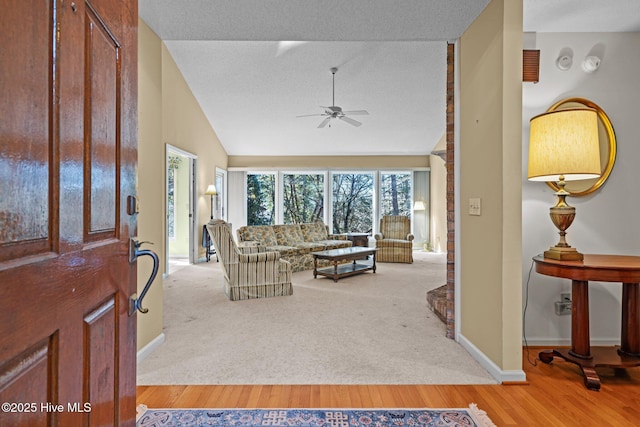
[
  {"x": 102, "y": 142},
  {"x": 27, "y": 145},
  {"x": 68, "y": 132},
  {"x": 101, "y": 364},
  {"x": 27, "y": 368}
]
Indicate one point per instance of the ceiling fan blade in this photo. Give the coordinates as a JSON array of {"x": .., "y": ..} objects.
[
  {"x": 350, "y": 121},
  {"x": 310, "y": 115},
  {"x": 357, "y": 113},
  {"x": 324, "y": 122}
]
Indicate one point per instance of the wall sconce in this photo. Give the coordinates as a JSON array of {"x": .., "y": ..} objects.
[
  {"x": 564, "y": 62},
  {"x": 211, "y": 191},
  {"x": 590, "y": 64},
  {"x": 563, "y": 146},
  {"x": 565, "y": 59}
]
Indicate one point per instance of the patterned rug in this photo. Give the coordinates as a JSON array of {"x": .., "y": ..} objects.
[{"x": 463, "y": 417}]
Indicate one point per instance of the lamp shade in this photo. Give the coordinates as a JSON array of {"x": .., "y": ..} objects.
[
  {"x": 419, "y": 206},
  {"x": 211, "y": 191},
  {"x": 564, "y": 142}
]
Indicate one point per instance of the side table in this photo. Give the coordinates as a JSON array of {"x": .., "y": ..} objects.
[
  {"x": 207, "y": 244},
  {"x": 359, "y": 239},
  {"x": 600, "y": 268}
]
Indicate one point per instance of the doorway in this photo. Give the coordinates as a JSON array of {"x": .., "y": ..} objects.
[{"x": 181, "y": 240}]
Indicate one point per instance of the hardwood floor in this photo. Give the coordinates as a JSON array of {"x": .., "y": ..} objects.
[{"x": 554, "y": 395}]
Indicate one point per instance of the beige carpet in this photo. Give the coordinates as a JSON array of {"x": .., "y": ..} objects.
[{"x": 364, "y": 329}]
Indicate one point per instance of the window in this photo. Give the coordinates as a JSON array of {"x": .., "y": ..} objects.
[
  {"x": 221, "y": 198},
  {"x": 261, "y": 197},
  {"x": 352, "y": 202},
  {"x": 173, "y": 164},
  {"x": 395, "y": 193},
  {"x": 303, "y": 198}
]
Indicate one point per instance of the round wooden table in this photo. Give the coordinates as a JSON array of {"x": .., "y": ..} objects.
[{"x": 599, "y": 268}]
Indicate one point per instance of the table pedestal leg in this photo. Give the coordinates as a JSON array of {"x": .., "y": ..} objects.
[
  {"x": 580, "y": 339},
  {"x": 630, "y": 333},
  {"x": 580, "y": 353},
  {"x": 589, "y": 374},
  {"x": 315, "y": 267}
]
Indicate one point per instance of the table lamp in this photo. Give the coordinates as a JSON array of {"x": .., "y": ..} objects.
[
  {"x": 563, "y": 146},
  {"x": 211, "y": 191}
]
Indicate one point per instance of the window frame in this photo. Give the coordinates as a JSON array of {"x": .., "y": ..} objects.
[{"x": 328, "y": 189}]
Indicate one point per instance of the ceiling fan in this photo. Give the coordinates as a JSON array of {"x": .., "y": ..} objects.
[{"x": 335, "y": 112}]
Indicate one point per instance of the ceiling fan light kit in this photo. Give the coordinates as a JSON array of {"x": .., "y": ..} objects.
[{"x": 335, "y": 112}]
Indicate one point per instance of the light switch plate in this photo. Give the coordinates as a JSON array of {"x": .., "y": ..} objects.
[{"x": 474, "y": 206}]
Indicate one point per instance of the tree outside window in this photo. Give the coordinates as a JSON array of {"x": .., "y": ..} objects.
[
  {"x": 395, "y": 194},
  {"x": 173, "y": 165},
  {"x": 352, "y": 202},
  {"x": 303, "y": 198},
  {"x": 261, "y": 197}
]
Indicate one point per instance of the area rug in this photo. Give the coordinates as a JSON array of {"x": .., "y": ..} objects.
[{"x": 453, "y": 417}]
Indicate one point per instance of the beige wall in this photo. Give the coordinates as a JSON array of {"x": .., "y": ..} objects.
[
  {"x": 150, "y": 178},
  {"x": 168, "y": 114},
  {"x": 329, "y": 162},
  {"x": 490, "y": 53}
]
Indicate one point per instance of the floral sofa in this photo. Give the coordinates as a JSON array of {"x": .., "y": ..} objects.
[{"x": 295, "y": 242}]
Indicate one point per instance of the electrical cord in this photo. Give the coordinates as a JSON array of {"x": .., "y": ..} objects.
[{"x": 524, "y": 315}]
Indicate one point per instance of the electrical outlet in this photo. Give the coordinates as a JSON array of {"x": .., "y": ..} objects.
[{"x": 563, "y": 308}]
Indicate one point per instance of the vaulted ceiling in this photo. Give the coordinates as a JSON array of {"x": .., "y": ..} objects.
[{"x": 255, "y": 65}]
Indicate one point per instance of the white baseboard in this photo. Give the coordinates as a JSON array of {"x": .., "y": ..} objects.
[
  {"x": 494, "y": 370},
  {"x": 150, "y": 348}
]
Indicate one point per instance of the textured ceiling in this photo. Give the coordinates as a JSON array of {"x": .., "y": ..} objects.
[{"x": 391, "y": 58}]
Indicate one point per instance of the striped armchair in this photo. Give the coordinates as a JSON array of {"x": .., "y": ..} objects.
[
  {"x": 249, "y": 272},
  {"x": 394, "y": 241}
]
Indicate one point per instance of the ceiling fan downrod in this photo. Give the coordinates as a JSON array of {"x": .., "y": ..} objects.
[{"x": 333, "y": 94}]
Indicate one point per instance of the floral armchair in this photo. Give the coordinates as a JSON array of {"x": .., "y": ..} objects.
[
  {"x": 394, "y": 241},
  {"x": 249, "y": 272}
]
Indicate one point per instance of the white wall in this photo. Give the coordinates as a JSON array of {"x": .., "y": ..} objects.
[{"x": 607, "y": 221}]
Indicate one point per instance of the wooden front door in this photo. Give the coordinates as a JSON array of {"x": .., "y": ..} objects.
[{"x": 68, "y": 152}]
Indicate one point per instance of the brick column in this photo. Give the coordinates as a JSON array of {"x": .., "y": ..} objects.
[{"x": 451, "y": 253}]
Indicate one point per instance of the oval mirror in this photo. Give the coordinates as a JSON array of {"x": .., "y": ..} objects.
[{"x": 607, "y": 148}]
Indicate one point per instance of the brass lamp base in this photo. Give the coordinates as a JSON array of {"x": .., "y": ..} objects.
[
  {"x": 563, "y": 254},
  {"x": 562, "y": 216}
]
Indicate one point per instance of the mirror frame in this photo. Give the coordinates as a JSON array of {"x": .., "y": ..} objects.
[{"x": 611, "y": 145}]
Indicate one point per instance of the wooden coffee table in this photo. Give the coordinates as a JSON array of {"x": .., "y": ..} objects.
[{"x": 338, "y": 271}]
